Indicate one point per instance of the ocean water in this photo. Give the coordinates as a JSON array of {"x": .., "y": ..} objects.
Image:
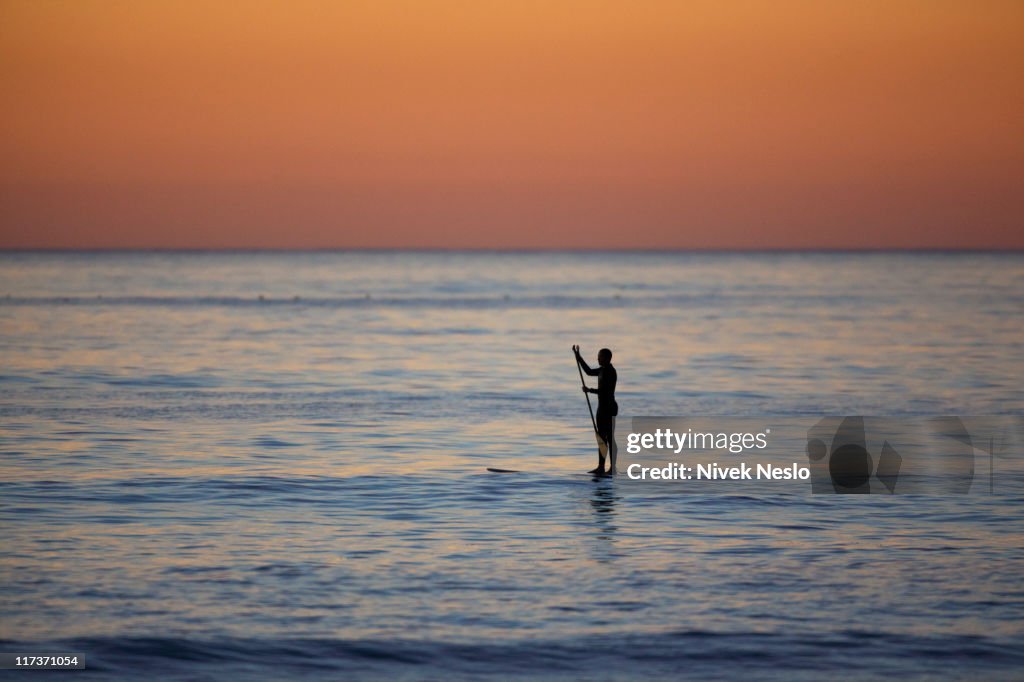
[{"x": 272, "y": 466}]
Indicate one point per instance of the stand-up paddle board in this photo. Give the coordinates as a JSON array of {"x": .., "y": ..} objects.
[{"x": 495, "y": 470}]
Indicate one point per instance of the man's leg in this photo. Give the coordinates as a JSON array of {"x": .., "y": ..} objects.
[
  {"x": 603, "y": 432},
  {"x": 602, "y": 449},
  {"x": 613, "y": 449}
]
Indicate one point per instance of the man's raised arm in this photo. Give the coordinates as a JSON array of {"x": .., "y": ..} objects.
[{"x": 585, "y": 366}]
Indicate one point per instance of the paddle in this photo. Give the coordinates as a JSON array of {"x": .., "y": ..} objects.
[{"x": 597, "y": 435}]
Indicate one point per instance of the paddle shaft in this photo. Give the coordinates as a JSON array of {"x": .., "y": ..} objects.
[{"x": 583, "y": 382}]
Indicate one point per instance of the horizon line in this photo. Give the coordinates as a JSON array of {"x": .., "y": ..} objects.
[{"x": 510, "y": 250}]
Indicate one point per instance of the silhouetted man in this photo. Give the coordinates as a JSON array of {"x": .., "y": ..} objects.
[{"x": 607, "y": 408}]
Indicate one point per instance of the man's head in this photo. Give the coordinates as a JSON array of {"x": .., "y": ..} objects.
[{"x": 604, "y": 357}]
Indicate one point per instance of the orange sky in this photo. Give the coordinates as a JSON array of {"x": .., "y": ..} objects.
[{"x": 521, "y": 124}]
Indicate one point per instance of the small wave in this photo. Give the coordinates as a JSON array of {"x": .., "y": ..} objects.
[
  {"x": 166, "y": 381},
  {"x": 699, "y": 653},
  {"x": 270, "y": 442},
  {"x": 498, "y": 300}
]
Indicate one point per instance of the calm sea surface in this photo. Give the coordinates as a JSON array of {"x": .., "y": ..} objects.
[{"x": 270, "y": 465}]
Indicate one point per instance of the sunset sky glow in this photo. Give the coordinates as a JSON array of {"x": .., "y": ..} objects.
[{"x": 522, "y": 124}]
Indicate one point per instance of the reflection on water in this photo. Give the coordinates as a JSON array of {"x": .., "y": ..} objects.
[
  {"x": 602, "y": 503},
  {"x": 203, "y": 482}
]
